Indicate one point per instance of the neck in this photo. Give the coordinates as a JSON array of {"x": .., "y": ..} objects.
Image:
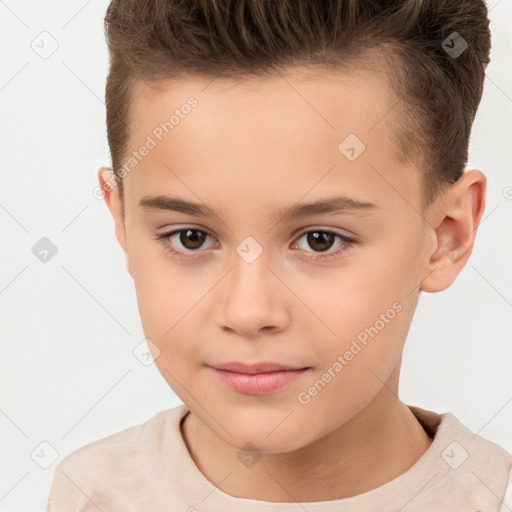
[{"x": 375, "y": 446}]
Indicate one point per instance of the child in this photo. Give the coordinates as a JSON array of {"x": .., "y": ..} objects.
[{"x": 268, "y": 128}]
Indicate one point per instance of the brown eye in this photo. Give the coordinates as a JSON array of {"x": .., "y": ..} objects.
[
  {"x": 320, "y": 240},
  {"x": 186, "y": 242},
  {"x": 192, "y": 238}
]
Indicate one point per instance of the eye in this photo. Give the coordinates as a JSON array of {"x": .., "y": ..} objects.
[
  {"x": 322, "y": 240},
  {"x": 189, "y": 238}
]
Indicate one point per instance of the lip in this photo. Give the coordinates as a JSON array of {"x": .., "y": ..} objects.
[
  {"x": 257, "y": 379},
  {"x": 251, "y": 369}
]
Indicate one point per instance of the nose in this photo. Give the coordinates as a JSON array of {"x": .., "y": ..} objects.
[{"x": 253, "y": 300}]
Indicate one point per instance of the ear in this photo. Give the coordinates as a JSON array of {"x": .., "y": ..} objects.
[
  {"x": 457, "y": 218},
  {"x": 110, "y": 191}
]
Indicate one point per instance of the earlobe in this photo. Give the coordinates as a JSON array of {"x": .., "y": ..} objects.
[
  {"x": 128, "y": 267},
  {"x": 459, "y": 213}
]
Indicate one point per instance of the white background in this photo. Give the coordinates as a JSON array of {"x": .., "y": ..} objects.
[{"x": 69, "y": 326}]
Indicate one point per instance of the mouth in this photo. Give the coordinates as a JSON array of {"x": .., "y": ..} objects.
[{"x": 257, "y": 379}]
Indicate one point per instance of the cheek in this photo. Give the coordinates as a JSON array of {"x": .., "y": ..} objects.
[
  {"x": 166, "y": 309},
  {"x": 365, "y": 312},
  {"x": 352, "y": 298},
  {"x": 166, "y": 294}
]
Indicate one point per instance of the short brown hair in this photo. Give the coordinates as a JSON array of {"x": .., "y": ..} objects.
[{"x": 155, "y": 40}]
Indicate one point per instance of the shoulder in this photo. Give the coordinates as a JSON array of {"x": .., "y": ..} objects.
[
  {"x": 117, "y": 460},
  {"x": 476, "y": 449},
  {"x": 481, "y": 467},
  {"x": 467, "y": 466},
  {"x": 458, "y": 440}
]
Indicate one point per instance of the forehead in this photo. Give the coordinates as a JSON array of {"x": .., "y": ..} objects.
[
  {"x": 290, "y": 128},
  {"x": 320, "y": 99}
]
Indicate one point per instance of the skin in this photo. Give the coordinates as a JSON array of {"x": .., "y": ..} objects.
[{"x": 247, "y": 149}]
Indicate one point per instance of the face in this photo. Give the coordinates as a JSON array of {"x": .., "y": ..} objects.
[{"x": 331, "y": 291}]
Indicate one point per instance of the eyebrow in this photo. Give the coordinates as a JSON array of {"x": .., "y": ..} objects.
[{"x": 335, "y": 204}]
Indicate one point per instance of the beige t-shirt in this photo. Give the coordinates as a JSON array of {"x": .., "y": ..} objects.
[{"x": 148, "y": 467}]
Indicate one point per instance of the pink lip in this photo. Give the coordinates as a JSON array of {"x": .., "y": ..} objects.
[
  {"x": 263, "y": 367},
  {"x": 257, "y": 379}
]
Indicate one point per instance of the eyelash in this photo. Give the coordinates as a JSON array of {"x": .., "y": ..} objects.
[{"x": 347, "y": 243}]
